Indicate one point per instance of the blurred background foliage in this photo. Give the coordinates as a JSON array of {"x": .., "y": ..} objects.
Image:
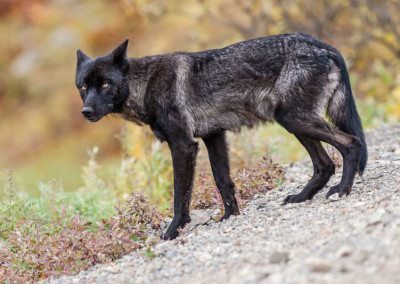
[{"x": 43, "y": 134}]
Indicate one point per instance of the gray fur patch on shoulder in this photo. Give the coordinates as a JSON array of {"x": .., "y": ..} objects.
[{"x": 181, "y": 89}]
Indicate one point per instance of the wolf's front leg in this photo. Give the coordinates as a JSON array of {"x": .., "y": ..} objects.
[
  {"x": 184, "y": 160},
  {"x": 219, "y": 159}
]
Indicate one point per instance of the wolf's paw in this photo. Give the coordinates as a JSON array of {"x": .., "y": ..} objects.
[
  {"x": 341, "y": 190},
  {"x": 227, "y": 215},
  {"x": 295, "y": 198},
  {"x": 175, "y": 227},
  {"x": 170, "y": 234},
  {"x": 229, "y": 211}
]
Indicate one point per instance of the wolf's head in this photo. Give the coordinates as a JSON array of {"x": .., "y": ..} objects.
[{"x": 102, "y": 82}]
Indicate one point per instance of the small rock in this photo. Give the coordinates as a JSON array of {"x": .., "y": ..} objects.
[
  {"x": 199, "y": 217},
  {"x": 228, "y": 229},
  {"x": 279, "y": 257},
  {"x": 344, "y": 268},
  {"x": 376, "y": 218},
  {"x": 361, "y": 257},
  {"x": 334, "y": 197},
  {"x": 320, "y": 266},
  {"x": 216, "y": 213},
  {"x": 344, "y": 251}
]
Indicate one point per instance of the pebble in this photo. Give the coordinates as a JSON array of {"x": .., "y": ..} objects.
[
  {"x": 279, "y": 257},
  {"x": 319, "y": 266},
  {"x": 344, "y": 251}
]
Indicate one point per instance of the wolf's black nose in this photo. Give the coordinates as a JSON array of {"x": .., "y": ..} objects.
[{"x": 87, "y": 111}]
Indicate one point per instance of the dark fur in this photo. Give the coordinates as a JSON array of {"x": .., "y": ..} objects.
[{"x": 289, "y": 78}]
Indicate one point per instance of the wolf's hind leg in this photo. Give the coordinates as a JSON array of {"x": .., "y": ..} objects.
[
  {"x": 314, "y": 127},
  {"x": 323, "y": 170},
  {"x": 219, "y": 160}
]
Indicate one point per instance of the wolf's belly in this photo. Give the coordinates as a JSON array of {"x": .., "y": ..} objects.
[{"x": 232, "y": 120}]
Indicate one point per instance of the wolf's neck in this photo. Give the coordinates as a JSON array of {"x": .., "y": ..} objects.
[{"x": 140, "y": 72}]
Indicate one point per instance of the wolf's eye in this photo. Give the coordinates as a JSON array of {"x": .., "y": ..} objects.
[
  {"x": 105, "y": 85},
  {"x": 83, "y": 87}
]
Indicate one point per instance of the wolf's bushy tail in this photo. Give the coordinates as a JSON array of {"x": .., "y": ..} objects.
[{"x": 343, "y": 112}]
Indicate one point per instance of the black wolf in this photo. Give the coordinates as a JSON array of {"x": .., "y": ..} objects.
[{"x": 290, "y": 78}]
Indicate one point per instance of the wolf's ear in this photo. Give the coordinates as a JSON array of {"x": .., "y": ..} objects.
[
  {"x": 119, "y": 53},
  {"x": 81, "y": 57}
]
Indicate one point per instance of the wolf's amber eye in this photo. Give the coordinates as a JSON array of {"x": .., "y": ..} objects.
[
  {"x": 105, "y": 85},
  {"x": 83, "y": 87}
]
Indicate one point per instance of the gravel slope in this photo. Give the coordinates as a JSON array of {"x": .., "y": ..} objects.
[{"x": 355, "y": 239}]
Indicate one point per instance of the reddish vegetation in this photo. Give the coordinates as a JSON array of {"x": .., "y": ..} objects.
[
  {"x": 263, "y": 176},
  {"x": 76, "y": 247}
]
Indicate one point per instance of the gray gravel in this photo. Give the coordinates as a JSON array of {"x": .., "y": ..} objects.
[{"x": 355, "y": 239}]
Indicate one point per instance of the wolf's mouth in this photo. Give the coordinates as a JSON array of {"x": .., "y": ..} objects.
[{"x": 93, "y": 118}]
